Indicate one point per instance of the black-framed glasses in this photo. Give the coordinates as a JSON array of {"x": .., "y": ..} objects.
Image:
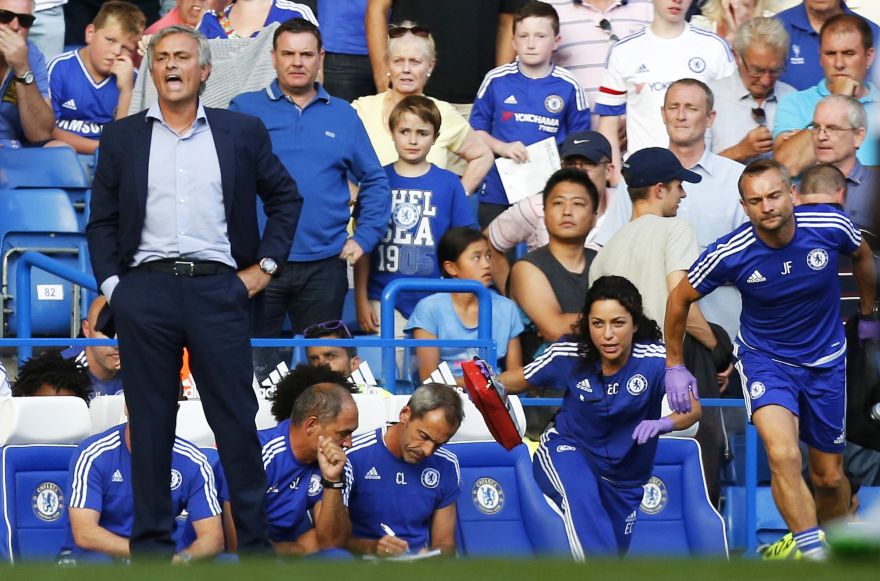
[
  {"x": 395, "y": 31},
  {"x": 830, "y": 130},
  {"x": 326, "y": 328},
  {"x": 605, "y": 25},
  {"x": 24, "y": 20},
  {"x": 759, "y": 116}
]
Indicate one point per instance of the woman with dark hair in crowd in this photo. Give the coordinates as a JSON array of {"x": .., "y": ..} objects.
[
  {"x": 594, "y": 459},
  {"x": 463, "y": 253}
]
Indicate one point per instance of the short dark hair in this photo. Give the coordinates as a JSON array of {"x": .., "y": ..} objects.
[
  {"x": 128, "y": 16},
  {"x": 432, "y": 396},
  {"x": 420, "y": 106},
  {"x": 760, "y": 166},
  {"x": 296, "y": 26},
  {"x": 324, "y": 401},
  {"x": 575, "y": 176},
  {"x": 823, "y": 178},
  {"x": 453, "y": 242},
  {"x": 848, "y": 23},
  {"x": 640, "y": 193},
  {"x": 300, "y": 378},
  {"x": 50, "y": 368},
  {"x": 689, "y": 82},
  {"x": 536, "y": 10},
  {"x": 332, "y": 334}
]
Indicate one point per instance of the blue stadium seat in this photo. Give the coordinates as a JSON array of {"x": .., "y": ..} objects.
[
  {"x": 869, "y": 498},
  {"x": 33, "y": 497},
  {"x": 53, "y": 167},
  {"x": 770, "y": 525},
  {"x": 349, "y": 312},
  {"x": 738, "y": 447},
  {"x": 501, "y": 510},
  {"x": 676, "y": 517},
  {"x": 42, "y": 220},
  {"x": 36, "y": 167},
  {"x": 37, "y": 439}
]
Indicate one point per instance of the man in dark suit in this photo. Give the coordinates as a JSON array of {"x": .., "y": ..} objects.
[{"x": 177, "y": 251}]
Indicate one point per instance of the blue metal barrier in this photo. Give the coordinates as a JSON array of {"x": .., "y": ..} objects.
[
  {"x": 23, "y": 288},
  {"x": 389, "y": 299}
]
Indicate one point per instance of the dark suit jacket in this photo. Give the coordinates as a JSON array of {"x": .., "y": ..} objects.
[{"x": 248, "y": 169}]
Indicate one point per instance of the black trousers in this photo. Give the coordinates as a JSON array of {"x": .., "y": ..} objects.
[{"x": 157, "y": 314}]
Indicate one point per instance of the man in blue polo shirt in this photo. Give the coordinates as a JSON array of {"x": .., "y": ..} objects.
[
  {"x": 847, "y": 50},
  {"x": 25, "y": 112},
  {"x": 803, "y": 23},
  {"x": 323, "y": 144}
]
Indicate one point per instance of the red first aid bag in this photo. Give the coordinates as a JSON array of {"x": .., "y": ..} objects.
[{"x": 492, "y": 402}]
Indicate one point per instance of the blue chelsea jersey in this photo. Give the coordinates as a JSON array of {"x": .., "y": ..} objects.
[
  {"x": 81, "y": 105},
  {"x": 513, "y": 107},
  {"x": 100, "y": 479},
  {"x": 293, "y": 488},
  {"x": 790, "y": 295},
  {"x": 422, "y": 210},
  {"x": 385, "y": 490},
  {"x": 600, "y": 413}
]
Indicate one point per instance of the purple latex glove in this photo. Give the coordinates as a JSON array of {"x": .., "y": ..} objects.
[
  {"x": 869, "y": 330},
  {"x": 679, "y": 385},
  {"x": 648, "y": 429}
]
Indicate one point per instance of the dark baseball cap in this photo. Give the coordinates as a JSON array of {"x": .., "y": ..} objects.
[
  {"x": 589, "y": 144},
  {"x": 655, "y": 165}
]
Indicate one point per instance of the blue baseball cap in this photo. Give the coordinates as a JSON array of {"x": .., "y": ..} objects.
[
  {"x": 589, "y": 144},
  {"x": 655, "y": 165}
]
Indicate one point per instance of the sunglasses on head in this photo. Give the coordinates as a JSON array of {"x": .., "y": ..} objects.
[
  {"x": 395, "y": 31},
  {"x": 322, "y": 329},
  {"x": 24, "y": 20}
]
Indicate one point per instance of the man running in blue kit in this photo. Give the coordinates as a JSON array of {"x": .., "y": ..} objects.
[{"x": 791, "y": 345}]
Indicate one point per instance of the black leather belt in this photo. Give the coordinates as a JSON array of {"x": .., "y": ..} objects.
[{"x": 185, "y": 267}]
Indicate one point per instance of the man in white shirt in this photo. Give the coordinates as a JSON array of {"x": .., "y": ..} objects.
[
  {"x": 712, "y": 206},
  {"x": 641, "y": 66},
  {"x": 745, "y": 102}
]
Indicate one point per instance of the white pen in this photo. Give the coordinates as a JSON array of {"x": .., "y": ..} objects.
[{"x": 387, "y": 530}]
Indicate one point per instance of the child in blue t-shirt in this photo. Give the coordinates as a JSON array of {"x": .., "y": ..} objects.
[
  {"x": 464, "y": 253},
  {"x": 526, "y": 101},
  {"x": 425, "y": 202}
]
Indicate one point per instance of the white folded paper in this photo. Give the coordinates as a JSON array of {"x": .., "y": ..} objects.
[{"x": 521, "y": 180}]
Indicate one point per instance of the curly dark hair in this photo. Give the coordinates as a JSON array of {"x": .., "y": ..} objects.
[
  {"x": 619, "y": 289},
  {"x": 50, "y": 368},
  {"x": 297, "y": 381}
]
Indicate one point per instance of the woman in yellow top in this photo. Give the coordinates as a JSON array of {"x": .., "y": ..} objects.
[{"x": 410, "y": 59}]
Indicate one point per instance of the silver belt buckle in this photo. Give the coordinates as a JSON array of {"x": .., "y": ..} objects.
[{"x": 183, "y": 268}]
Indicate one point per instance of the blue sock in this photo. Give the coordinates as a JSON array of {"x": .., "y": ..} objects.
[{"x": 810, "y": 544}]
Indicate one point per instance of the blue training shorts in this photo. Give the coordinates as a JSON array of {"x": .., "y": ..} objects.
[{"x": 816, "y": 395}]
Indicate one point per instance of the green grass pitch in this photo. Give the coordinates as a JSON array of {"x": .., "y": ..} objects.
[{"x": 454, "y": 570}]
